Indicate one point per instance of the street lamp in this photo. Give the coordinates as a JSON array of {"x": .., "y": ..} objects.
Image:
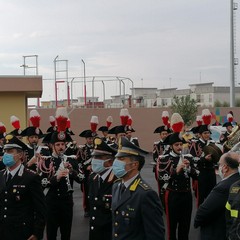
[{"x": 84, "y": 79}]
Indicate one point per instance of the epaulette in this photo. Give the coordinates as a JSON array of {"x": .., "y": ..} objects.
[
  {"x": 156, "y": 143},
  {"x": 135, "y": 138},
  {"x": 144, "y": 185},
  {"x": 163, "y": 156},
  {"x": 188, "y": 155},
  {"x": 30, "y": 170}
]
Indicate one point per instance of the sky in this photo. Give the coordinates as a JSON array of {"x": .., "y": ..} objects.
[{"x": 155, "y": 43}]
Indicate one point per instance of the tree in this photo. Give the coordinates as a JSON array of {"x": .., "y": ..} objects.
[
  {"x": 186, "y": 107},
  {"x": 217, "y": 103}
]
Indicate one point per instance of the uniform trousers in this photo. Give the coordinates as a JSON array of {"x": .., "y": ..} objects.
[
  {"x": 178, "y": 213},
  {"x": 59, "y": 215}
]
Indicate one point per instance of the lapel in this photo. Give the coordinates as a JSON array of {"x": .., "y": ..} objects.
[
  {"x": 14, "y": 180},
  {"x": 3, "y": 180}
]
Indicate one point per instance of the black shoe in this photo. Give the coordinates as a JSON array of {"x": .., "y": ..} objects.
[{"x": 86, "y": 214}]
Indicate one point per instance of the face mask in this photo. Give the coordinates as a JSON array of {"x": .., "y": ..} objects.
[
  {"x": 8, "y": 160},
  {"x": 220, "y": 172},
  {"x": 98, "y": 165},
  {"x": 119, "y": 168}
]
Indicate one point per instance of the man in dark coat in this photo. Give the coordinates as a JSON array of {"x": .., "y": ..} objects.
[
  {"x": 100, "y": 191},
  {"x": 136, "y": 208},
  {"x": 211, "y": 213},
  {"x": 22, "y": 203}
]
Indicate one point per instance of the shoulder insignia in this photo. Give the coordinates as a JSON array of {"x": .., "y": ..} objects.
[
  {"x": 234, "y": 189},
  {"x": 188, "y": 155},
  {"x": 134, "y": 185},
  {"x": 144, "y": 185},
  {"x": 156, "y": 143}
]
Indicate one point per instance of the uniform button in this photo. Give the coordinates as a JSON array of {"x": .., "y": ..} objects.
[
  {"x": 95, "y": 198},
  {"x": 115, "y": 235},
  {"x": 58, "y": 194},
  {"x": 92, "y": 227},
  {"x": 5, "y": 216},
  {"x": 6, "y": 192},
  {"x": 127, "y": 214},
  {"x": 94, "y": 208},
  {"x": 116, "y": 223},
  {"x": 58, "y": 190},
  {"x": 93, "y": 218},
  {"x": 116, "y": 212},
  {"x": 5, "y": 200},
  {"x": 5, "y": 208}
]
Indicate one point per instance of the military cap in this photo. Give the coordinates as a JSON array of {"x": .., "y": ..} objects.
[
  {"x": 54, "y": 137},
  {"x": 87, "y": 133},
  {"x": 227, "y": 124},
  {"x": 162, "y": 129},
  {"x": 204, "y": 128},
  {"x": 117, "y": 129},
  {"x": 16, "y": 132},
  {"x": 173, "y": 138},
  {"x": 12, "y": 141},
  {"x": 32, "y": 131},
  {"x": 126, "y": 148},
  {"x": 129, "y": 128},
  {"x": 102, "y": 148},
  {"x": 194, "y": 130},
  {"x": 103, "y": 129},
  {"x": 69, "y": 131}
]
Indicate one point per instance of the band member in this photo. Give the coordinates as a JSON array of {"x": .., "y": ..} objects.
[
  {"x": 22, "y": 203},
  {"x": 159, "y": 149},
  {"x": 100, "y": 191},
  {"x": 136, "y": 208},
  {"x": 34, "y": 134},
  {"x": 84, "y": 159},
  {"x": 58, "y": 173},
  {"x": 129, "y": 130},
  {"x": 176, "y": 170},
  {"x": 205, "y": 161},
  {"x": 104, "y": 130}
]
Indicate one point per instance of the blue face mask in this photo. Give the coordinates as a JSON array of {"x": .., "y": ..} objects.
[
  {"x": 8, "y": 160},
  {"x": 119, "y": 168},
  {"x": 98, "y": 165}
]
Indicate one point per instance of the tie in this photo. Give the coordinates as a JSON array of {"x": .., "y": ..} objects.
[
  {"x": 9, "y": 177},
  {"x": 121, "y": 190},
  {"x": 100, "y": 180}
]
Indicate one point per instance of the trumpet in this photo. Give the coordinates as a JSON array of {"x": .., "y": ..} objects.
[{"x": 62, "y": 167}]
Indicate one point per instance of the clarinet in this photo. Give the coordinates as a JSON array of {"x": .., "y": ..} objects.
[
  {"x": 62, "y": 167},
  {"x": 185, "y": 169}
]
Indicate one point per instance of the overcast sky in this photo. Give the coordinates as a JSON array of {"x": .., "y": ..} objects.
[{"x": 156, "y": 43}]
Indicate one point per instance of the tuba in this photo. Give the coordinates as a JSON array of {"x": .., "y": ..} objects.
[{"x": 233, "y": 138}]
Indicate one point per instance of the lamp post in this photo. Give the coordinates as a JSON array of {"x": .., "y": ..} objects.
[{"x": 84, "y": 79}]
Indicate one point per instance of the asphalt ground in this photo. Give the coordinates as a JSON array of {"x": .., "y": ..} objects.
[{"x": 80, "y": 226}]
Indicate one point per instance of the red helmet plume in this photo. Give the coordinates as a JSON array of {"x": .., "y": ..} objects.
[
  {"x": 165, "y": 117},
  {"x": 124, "y": 114},
  {"x": 109, "y": 121},
  {"x": 61, "y": 119},
  {"x": 206, "y": 116},
  {"x": 94, "y": 123},
  {"x": 35, "y": 118},
  {"x": 177, "y": 122}
]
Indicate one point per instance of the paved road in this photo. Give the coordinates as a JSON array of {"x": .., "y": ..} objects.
[{"x": 80, "y": 224}]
